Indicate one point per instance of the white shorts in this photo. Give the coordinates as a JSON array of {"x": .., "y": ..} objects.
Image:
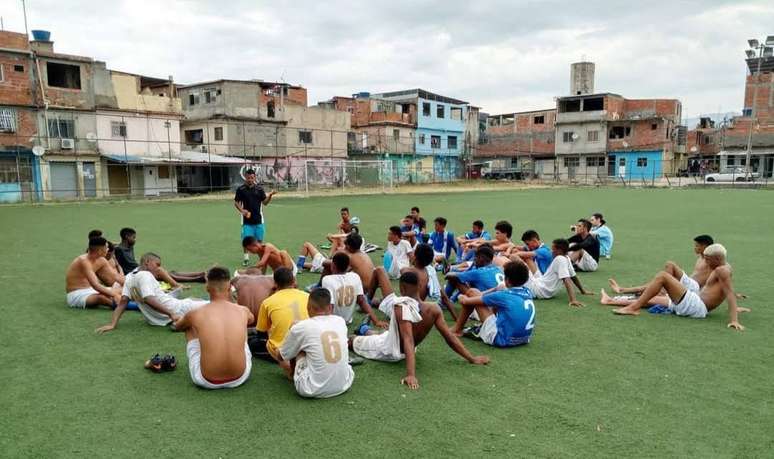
[
  {"x": 690, "y": 306},
  {"x": 587, "y": 263},
  {"x": 295, "y": 270},
  {"x": 382, "y": 346},
  {"x": 186, "y": 305},
  {"x": 317, "y": 263},
  {"x": 538, "y": 288},
  {"x": 194, "y": 351},
  {"x": 488, "y": 330},
  {"x": 690, "y": 283},
  {"x": 77, "y": 298},
  {"x": 302, "y": 380}
]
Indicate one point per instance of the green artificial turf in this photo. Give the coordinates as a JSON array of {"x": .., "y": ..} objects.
[{"x": 590, "y": 384}]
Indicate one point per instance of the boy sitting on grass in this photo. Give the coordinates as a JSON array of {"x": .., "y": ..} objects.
[
  {"x": 507, "y": 315},
  {"x": 316, "y": 351},
  {"x": 410, "y": 322},
  {"x": 216, "y": 333}
]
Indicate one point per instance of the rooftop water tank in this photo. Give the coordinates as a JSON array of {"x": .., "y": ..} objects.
[{"x": 41, "y": 35}]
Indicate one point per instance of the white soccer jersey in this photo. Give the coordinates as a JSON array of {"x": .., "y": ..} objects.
[
  {"x": 140, "y": 285},
  {"x": 344, "y": 289},
  {"x": 549, "y": 283},
  {"x": 400, "y": 256},
  {"x": 324, "y": 370}
]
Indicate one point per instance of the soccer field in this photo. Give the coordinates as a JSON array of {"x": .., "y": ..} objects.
[{"x": 590, "y": 384}]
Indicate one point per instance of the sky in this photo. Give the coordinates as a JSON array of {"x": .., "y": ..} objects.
[{"x": 502, "y": 56}]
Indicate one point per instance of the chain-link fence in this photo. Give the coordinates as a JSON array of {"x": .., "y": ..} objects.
[{"x": 160, "y": 158}]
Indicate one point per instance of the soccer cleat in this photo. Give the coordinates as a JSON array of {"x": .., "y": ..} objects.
[{"x": 154, "y": 364}]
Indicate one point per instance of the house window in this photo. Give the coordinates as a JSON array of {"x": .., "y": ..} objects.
[
  {"x": 435, "y": 141},
  {"x": 163, "y": 172},
  {"x": 193, "y": 99},
  {"x": 305, "y": 137},
  {"x": 63, "y": 75},
  {"x": 452, "y": 142},
  {"x": 619, "y": 132},
  {"x": 270, "y": 109},
  {"x": 439, "y": 111},
  {"x": 194, "y": 136},
  {"x": 455, "y": 113},
  {"x": 653, "y": 126},
  {"x": 567, "y": 136},
  {"x": 7, "y": 120},
  {"x": 117, "y": 129},
  {"x": 730, "y": 161},
  {"x": 540, "y": 119},
  {"x": 571, "y": 162},
  {"x": 207, "y": 97},
  {"x": 425, "y": 108},
  {"x": 61, "y": 129},
  {"x": 396, "y": 134},
  {"x": 595, "y": 161},
  {"x": 421, "y": 139},
  {"x": 18, "y": 68},
  {"x": 218, "y": 133},
  {"x": 593, "y": 136},
  {"x": 642, "y": 162}
]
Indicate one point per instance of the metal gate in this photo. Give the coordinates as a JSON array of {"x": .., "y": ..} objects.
[{"x": 64, "y": 180}]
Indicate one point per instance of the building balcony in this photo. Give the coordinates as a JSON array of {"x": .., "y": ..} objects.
[
  {"x": 581, "y": 117},
  {"x": 391, "y": 117}
]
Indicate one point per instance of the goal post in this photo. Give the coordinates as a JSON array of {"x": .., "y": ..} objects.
[{"x": 341, "y": 175}]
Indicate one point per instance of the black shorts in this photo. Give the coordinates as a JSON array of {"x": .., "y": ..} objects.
[{"x": 256, "y": 341}]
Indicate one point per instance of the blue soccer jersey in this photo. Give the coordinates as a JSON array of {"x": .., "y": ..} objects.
[
  {"x": 543, "y": 257},
  {"x": 470, "y": 235},
  {"x": 443, "y": 243},
  {"x": 515, "y": 315},
  {"x": 483, "y": 278}
]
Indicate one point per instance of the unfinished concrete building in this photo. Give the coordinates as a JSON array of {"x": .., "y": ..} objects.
[{"x": 523, "y": 140}]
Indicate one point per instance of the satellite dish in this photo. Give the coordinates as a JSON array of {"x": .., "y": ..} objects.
[
  {"x": 575, "y": 136},
  {"x": 37, "y": 150},
  {"x": 91, "y": 137},
  {"x": 626, "y": 144}
]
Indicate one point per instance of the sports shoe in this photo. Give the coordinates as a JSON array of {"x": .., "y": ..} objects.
[
  {"x": 355, "y": 360},
  {"x": 471, "y": 332},
  {"x": 362, "y": 330},
  {"x": 246, "y": 262}
]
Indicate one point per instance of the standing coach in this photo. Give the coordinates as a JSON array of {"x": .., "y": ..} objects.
[{"x": 248, "y": 201}]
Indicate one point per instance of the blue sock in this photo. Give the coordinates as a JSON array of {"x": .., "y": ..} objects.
[{"x": 300, "y": 262}]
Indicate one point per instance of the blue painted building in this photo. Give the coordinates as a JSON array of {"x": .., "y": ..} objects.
[
  {"x": 19, "y": 176},
  {"x": 440, "y": 129},
  {"x": 635, "y": 165}
]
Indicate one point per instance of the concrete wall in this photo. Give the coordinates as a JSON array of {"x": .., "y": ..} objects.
[
  {"x": 146, "y": 135},
  {"x": 329, "y": 131},
  {"x": 381, "y": 139},
  {"x": 129, "y": 96}
]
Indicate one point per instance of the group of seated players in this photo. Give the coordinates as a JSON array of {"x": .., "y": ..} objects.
[{"x": 494, "y": 280}]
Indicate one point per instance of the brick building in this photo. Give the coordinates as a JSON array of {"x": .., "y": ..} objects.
[
  {"x": 19, "y": 168},
  {"x": 523, "y": 140}
]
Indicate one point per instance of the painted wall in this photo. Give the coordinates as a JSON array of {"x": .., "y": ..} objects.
[
  {"x": 444, "y": 127},
  {"x": 146, "y": 135},
  {"x": 129, "y": 97},
  {"x": 652, "y": 169}
]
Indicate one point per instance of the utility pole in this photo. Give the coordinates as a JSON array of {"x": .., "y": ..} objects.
[{"x": 753, "y": 114}]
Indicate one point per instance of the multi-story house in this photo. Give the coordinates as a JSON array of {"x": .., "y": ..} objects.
[
  {"x": 267, "y": 124},
  {"x": 19, "y": 168},
  {"x": 601, "y": 135}
]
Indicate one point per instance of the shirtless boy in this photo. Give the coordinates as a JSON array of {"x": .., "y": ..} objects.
[
  {"x": 218, "y": 356},
  {"x": 270, "y": 257},
  {"x": 83, "y": 287},
  {"x": 694, "y": 282},
  {"x": 410, "y": 322},
  {"x": 718, "y": 288}
]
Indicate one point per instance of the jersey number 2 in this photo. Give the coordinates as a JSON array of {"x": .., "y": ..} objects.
[{"x": 530, "y": 306}]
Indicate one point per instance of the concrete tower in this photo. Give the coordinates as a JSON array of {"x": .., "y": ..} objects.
[{"x": 582, "y": 78}]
